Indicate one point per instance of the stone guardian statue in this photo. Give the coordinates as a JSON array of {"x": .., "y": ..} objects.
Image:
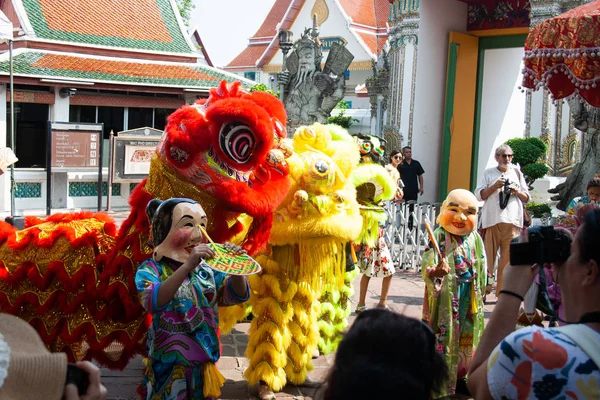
[{"x": 309, "y": 92}]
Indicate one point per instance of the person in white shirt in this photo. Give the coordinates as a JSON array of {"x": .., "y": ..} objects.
[{"x": 504, "y": 191}]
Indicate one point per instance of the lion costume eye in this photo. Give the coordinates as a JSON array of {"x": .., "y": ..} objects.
[
  {"x": 237, "y": 141},
  {"x": 321, "y": 168}
]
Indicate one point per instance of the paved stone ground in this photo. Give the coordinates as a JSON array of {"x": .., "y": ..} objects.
[{"x": 406, "y": 297}]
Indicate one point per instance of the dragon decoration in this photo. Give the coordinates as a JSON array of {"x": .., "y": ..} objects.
[{"x": 71, "y": 276}]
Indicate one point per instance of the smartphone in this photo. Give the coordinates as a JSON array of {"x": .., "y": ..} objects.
[{"x": 77, "y": 377}]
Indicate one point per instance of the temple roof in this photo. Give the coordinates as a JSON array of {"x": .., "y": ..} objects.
[
  {"x": 269, "y": 25},
  {"x": 372, "y": 13},
  {"x": 149, "y": 25},
  {"x": 248, "y": 56},
  {"x": 33, "y": 63},
  {"x": 366, "y": 20}
]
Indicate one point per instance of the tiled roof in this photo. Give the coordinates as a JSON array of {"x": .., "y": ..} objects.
[
  {"x": 375, "y": 45},
  {"x": 248, "y": 57},
  {"x": 37, "y": 64},
  {"x": 143, "y": 25},
  {"x": 367, "y": 12},
  {"x": 269, "y": 25}
]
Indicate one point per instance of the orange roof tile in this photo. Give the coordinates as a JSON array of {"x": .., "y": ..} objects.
[
  {"x": 55, "y": 61},
  {"x": 135, "y": 24},
  {"x": 131, "y": 21},
  {"x": 268, "y": 27},
  {"x": 375, "y": 43},
  {"x": 249, "y": 56},
  {"x": 367, "y": 12}
]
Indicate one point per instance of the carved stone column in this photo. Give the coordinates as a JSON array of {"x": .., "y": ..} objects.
[{"x": 403, "y": 38}]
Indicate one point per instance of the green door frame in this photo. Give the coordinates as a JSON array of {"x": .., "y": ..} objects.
[{"x": 487, "y": 43}]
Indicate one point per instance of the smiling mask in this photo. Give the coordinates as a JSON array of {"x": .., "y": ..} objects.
[
  {"x": 459, "y": 212},
  {"x": 176, "y": 227}
]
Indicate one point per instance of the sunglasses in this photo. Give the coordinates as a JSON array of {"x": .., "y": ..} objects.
[
  {"x": 397, "y": 157},
  {"x": 507, "y": 155}
]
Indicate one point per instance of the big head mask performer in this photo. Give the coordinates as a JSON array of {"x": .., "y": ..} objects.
[
  {"x": 176, "y": 228},
  {"x": 455, "y": 274},
  {"x": 183, "y": 294}
]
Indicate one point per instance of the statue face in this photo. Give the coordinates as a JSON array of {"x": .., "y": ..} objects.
[
  {"x": 459, "y": 213},
  {"x": 306, "y": 56},
  {"x": 184, "y": 234}
]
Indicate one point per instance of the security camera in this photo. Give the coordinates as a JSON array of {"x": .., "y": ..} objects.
[{"x": 67, "y": 92}]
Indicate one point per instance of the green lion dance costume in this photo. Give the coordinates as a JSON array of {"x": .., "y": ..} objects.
[
  {"x": 307, "y": 252},
  {"x": 373, "y": 186}
]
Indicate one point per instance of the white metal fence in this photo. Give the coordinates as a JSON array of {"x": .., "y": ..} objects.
[
  {"x": 408, "y": 241},
  {"x": 405, "y": 231}
]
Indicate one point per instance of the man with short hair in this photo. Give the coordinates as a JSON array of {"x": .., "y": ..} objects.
[
  {"x": 411, "y": 171},
  {"x": 504, "y": 191}
]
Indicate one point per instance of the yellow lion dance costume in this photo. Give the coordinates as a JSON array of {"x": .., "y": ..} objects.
[{"x": 307, "y": 252}]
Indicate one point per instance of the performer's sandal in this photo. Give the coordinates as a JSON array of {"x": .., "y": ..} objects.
[
  {"x": 384, "y": 306},
  {"x": 360, "y": 309},
  {"x": 490, "y": 284},
  {"x": 264, "y": 392}
]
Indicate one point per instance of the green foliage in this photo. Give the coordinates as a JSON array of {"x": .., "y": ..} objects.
[
  {"x": 538, "y": 210},
  {"x": 261, "y": 87},
  {"x": 185, "y": 9},
  {"x": 534, "y": 171},
  {"x": 342, "y": 120},
  {"x": 528, "y": 153}
]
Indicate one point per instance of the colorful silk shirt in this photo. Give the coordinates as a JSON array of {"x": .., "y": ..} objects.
[
  {"x": 184, "y": 332},
  {"x": 453, "y": 304},
  {"x": 538, "y": 363}
]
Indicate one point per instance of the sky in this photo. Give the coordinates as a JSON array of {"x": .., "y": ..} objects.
[{"x": 226, "y": 25}]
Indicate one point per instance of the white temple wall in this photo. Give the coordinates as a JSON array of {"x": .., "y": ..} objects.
[
  {"x": 502, "y": 105},
  {"x": 438, "y": 18}
]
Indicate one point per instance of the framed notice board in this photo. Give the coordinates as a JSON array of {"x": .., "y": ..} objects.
[
  {"x": 131, "y": 154},
  {"x": 73, "y": 145}
]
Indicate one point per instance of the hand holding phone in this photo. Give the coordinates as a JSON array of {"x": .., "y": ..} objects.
[{"x": 77, "y": 377}]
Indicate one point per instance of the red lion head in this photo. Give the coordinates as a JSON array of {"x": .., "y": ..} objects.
[{"x": 230, "y": 147}]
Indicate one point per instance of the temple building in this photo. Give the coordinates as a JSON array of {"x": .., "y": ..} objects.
[
  {"x": 449, "y": 86},
  {"x": 361, "y": 25},
  {"x": 124, "y": 64}
]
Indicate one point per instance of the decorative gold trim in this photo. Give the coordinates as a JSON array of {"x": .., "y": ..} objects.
[
  {"x": 528, "y": 105},
  {"x": 500, "y": 32},
  {"x": 320, "y": 8},
  {"x": 412, "y": 96},
  {"x": 355, "y": 66},
  {"x": 557, "y": 136}
]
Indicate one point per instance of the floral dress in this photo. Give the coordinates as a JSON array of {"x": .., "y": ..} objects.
[
  {"x": 453, "y": 304},
  {"x": 183, "y": 334},
  {"x": 375, "y": 261},
  {"x": 537, "y": 363}
]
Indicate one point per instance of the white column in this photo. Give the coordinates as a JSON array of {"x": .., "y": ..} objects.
[
  {"x": 5, "y": 178},
  {"x": 60, "y": 110}
]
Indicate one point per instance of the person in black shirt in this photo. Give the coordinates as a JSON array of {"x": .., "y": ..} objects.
[{"x": 411, "y": 173}]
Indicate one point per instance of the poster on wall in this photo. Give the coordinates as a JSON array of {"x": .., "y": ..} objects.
[{"x": 137, "y": 159}]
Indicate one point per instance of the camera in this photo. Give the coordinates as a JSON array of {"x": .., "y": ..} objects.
[
  {"x": 546, "y": 245},
  {"x": 506, "y": 188}
]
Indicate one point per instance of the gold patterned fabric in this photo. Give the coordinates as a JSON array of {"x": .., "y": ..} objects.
[{"x": 563, "y": 55}]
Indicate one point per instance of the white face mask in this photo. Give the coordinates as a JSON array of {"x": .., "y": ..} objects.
[{"x": 185, "y": 233}]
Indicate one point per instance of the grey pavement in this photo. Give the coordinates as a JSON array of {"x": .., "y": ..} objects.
[{"x": 405, "y": 297}]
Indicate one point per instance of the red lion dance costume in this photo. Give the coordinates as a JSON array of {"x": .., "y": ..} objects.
[{"x": 71, "y": 276}]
